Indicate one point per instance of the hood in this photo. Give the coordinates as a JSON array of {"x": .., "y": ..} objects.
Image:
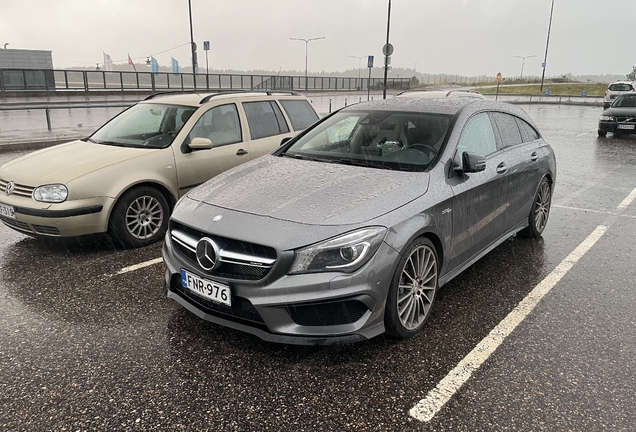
[
  {"x": 621, "y": 112},
  {"x": 310, "y": 192},
  {"x": 65, "y": 162}
]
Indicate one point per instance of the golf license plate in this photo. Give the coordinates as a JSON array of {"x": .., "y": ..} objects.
[
  {"x": 7, "y": 210},
  {"x": 205, "y": 288},
  {"x": 622, "y": 126}
]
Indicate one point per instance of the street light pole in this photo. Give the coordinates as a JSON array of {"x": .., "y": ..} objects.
[
  {"x": 523, "y": 61},
  {"x": 545, "y": 60},
  {"x": 415, "y": 70},
  {"x": 386, "y": 57},
  {"x": 359, "y": 60},
  {"x": 192, "y": 45},
  {"x": 307, "y": 43}
]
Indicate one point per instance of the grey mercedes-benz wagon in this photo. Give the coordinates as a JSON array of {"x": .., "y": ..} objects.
[{"x": 349, "y": 229}]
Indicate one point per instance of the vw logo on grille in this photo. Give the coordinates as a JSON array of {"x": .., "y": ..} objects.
[
  {"x": 9, "y": 188},
  {"x": 207, "y": 254}
]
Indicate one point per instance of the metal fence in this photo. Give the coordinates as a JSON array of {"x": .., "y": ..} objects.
[{"x": 12, "y": 80}]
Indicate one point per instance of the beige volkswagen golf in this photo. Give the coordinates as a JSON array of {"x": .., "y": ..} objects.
[{"x": 126, "y": 177}]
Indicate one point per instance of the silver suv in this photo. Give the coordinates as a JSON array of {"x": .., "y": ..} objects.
[
  {"x": 616, "y": 89},
  {"x": 126, "y": 177}
]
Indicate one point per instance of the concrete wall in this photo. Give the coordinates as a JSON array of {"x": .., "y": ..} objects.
[{"x": 25, "y": 59}]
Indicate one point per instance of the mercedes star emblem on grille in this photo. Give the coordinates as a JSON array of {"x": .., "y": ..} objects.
[
  {"x": 207, "y": 254},
  {"x": 9, "y": 188}
]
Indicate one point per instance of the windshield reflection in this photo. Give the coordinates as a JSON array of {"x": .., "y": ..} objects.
[{"x": 403, "y": 141}]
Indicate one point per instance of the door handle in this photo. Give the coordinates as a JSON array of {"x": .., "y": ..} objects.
[
  {"x": 534, "y": 157},
  {"x": 502, "y": 168},
  {"x": 241, "y": 152}
]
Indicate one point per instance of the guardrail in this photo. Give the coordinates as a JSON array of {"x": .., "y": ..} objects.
[{"x": 16, "y": 80}]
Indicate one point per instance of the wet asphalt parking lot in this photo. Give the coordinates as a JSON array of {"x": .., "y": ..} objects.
[{"x": 89, "y": 343}]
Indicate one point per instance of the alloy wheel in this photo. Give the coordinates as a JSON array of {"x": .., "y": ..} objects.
[
  {"x": 542, "y": 206},
  {"x": 417, "y": 285},
  {"x": 144, "y": 217}
]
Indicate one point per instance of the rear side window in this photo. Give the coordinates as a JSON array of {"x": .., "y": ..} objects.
[
  {"x": 265, "y": 119},
  {"x": 620, "y": 87},
  {"x": 527, "y": 132},
  {"x": 300, "y": 113},
  {"x": 508, "y": 130}
]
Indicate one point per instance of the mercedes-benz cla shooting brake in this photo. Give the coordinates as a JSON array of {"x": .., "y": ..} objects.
[{"x": 349, "y": 229}]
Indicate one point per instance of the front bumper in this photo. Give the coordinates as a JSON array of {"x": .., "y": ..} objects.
[
  {"x": 304, "y": 309},
  {"x": 613, "y": 127},
  {"x": 68, "y": 219}
]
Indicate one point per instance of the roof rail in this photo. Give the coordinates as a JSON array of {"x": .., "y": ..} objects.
[
  {"x": 163, "y": 93},
  {"x": 267, "y": 92}
]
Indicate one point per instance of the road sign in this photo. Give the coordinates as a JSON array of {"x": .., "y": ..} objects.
[
  {"x": 387, "y": 49},
  {"x": 206, "y": 45},
  {"x": 543, "y": 64},
  {"x": 499, "y": 77},
  {"x": 370, "y": 62}
]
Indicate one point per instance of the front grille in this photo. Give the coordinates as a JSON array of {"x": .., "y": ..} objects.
[
  {"x": 250, "y": 271},
  {"x": 22, "y": 226},
  {"x": 18, "y": 189},
  {"x": 241, "y": 309},
  {"x": 327, "y": 313},
  {"x": 48, "y": 230},
  {"x": 624, "y": 119}
]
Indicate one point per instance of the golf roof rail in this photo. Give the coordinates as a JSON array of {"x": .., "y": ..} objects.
[{"x": 267, "y": 92}]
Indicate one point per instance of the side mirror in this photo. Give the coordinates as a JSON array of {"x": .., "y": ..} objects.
[
  {"x": 471, "y": 163},
  {"x": 200, "y": 143},
  {"x": 284, "y": 140}
]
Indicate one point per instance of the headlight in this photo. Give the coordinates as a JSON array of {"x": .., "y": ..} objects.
[
  {"x": 345, "y": 253},
  {"x": 606, "y": 118},
  {"x": 55, "y": 193}
]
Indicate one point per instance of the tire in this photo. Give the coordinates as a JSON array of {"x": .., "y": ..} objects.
[
  {"x": 538, "y": 217},
  {"x": 413, "y": 289},
  {"x": 140, "y": 217},
  {"x": 602, "y": 133}
]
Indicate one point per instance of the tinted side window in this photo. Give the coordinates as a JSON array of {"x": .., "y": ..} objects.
[
  {"x": 527, "y": 132},
  {"x": 220, "y": 124},
  {"x": 478, "y": 136},
  {"x": 300, "y": 113},
  {"x": 263, "y": 120},
  {"x": 508, "y": 130}
]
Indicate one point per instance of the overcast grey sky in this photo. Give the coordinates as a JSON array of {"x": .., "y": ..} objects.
[{"x": 467, "y": 37}]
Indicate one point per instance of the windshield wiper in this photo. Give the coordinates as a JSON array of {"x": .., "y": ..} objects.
[
  {"x": 303, "y": 157},
  {"x": 362, "y": 163}
]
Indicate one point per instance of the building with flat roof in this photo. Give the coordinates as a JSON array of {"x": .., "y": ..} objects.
[{"x": 22, "y": 69}]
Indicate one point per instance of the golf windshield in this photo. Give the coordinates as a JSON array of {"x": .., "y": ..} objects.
[{"x": 144, "y": 125}]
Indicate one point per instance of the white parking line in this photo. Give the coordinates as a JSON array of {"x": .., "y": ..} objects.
[
  {"x": 138, "y": 266},
  {"x": 583, "y": 134},
  {"x": 595, "y": 211},
  {"x": 428, "y": 407}
]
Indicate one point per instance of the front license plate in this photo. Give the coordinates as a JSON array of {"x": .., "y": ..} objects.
[
  {"x": 205, "y": 288},
  {"x": 7, "y": 210},
  {"x": 621, "y": 126}
]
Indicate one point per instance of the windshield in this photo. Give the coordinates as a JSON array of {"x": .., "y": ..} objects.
[
  {"x": 144, "y": 125},
  {"x": 626, "y": 101},
  {"x": 402, "y": 141}
]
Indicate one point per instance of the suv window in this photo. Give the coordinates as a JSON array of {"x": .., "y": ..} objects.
[
  {"x": 300, "y": 113},
  {"x": 220, "y": 124},
  {"x": 508, "y": 130},
  {"x": 264, "y": 119},
  {"x": 620, "y": 87},
  {"x": 478, "y": 136}
]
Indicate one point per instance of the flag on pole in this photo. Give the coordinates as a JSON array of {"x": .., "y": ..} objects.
[
  {"x": 108, "y": 62},
  {"x": 175, "y": 66},
  {"x": 155, "y": 65},
  {"x": 130, "y": 62}
]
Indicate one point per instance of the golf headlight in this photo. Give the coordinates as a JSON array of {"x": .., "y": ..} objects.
[
  {"x": 606, "y": 118},
  {"x": 345, "y": 253},
  {"x": 54, "y": 193}
]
